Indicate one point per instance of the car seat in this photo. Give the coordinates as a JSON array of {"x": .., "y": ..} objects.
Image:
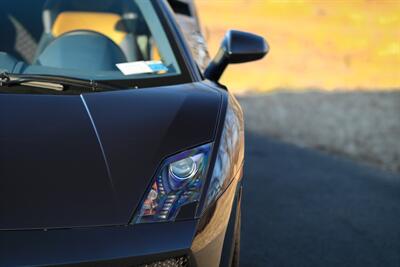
[{"x": 116, "y": 20}]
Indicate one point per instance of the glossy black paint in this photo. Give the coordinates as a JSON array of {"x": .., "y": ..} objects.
[
  {"x": 129, "y": 245},
  {"x": 104, "y": 149},
  {"x": 99, "y": 246},
  {"x": 82, "y": 161},
  {"x": 237, "y": 47}
]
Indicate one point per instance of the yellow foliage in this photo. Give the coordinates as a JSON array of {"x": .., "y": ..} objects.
[{"x": 329, "y": 44}]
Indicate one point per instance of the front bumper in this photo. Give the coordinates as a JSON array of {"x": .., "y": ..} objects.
[
  {"x": 102, "y": 246},
  {"x": 195, "y": 242}
]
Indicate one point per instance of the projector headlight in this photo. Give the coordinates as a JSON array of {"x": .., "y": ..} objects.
[
  {"x": 181, "y": 178},
  {"x": 178, "y": 182}
]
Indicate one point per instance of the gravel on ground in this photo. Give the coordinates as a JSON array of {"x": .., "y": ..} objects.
[{"x": 361, "y": 125}]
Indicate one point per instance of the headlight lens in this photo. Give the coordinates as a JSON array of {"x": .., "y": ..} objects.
[
  {"x": 183, "y": 169},
  {"x": 178, "y": 182}
]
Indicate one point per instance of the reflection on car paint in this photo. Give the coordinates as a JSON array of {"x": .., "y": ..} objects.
[
  {"x": 212, "y": 227},
  {"x": 230, "y": 152}
]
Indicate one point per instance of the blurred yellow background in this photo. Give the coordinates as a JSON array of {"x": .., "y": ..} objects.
[{"x": 331, "y": 44}]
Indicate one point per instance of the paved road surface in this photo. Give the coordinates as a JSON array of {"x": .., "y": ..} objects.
[{"x": 304, "y": 208}]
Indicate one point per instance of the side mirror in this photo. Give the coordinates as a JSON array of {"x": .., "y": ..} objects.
[{"x": 237, "y": 47}]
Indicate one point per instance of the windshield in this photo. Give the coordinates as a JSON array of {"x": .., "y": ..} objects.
[{"x": 88, "y": 39}]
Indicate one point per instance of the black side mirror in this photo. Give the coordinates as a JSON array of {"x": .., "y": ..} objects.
[{"x": 237, "y": 47}]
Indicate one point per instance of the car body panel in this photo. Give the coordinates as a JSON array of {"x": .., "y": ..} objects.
[
  {"x": 211, "y": 232},
  {"x": 52, "y": 170},
  {"x": 53, "y": 138},
  {"x": 101, "y": 246},
  {"x": 130, "y": 245},
  {"x": 126, "y": 134}
]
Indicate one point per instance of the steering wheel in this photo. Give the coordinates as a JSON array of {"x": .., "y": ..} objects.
[{"x": 82, "y": 50}]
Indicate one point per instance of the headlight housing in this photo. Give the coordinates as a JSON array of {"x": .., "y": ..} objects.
[
  {"x": 178, "y": 182},
  {"x": 181, "y": 178}
]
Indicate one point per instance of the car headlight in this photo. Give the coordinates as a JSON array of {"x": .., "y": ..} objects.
[
  {"x": 178, "y": 182},
  {"x": 182, "y": 177}
]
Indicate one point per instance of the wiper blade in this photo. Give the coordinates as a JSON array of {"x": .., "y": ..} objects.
[{"x": 51, "y": 82}]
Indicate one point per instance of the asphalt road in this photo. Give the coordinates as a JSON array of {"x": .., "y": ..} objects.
[{"x": 305, "y": 208}]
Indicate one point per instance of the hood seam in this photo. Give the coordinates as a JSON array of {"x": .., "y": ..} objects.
[{"x": 99, "y": 142}]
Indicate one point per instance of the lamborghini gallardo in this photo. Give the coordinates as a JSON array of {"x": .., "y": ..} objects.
[{"x": 118, "y": 144}]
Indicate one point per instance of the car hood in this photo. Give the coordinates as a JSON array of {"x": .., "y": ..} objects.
[{"x": 86, "y": 160}]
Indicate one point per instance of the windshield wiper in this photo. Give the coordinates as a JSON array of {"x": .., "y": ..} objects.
[{"x": 51, "y": 82}]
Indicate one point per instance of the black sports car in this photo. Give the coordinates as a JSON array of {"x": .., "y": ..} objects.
[{"x": 118, "y": 146}]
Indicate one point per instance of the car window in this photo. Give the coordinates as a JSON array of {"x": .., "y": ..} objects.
[
  {"x": 89, "y": 39},
  {"x": 195, "y": 39}
]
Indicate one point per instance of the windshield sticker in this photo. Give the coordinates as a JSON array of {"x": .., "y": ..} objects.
[
  {"x": 137, "y": 67},
  {"x": 140, "y": 67},
  {"x": 157, "y": 66}
]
